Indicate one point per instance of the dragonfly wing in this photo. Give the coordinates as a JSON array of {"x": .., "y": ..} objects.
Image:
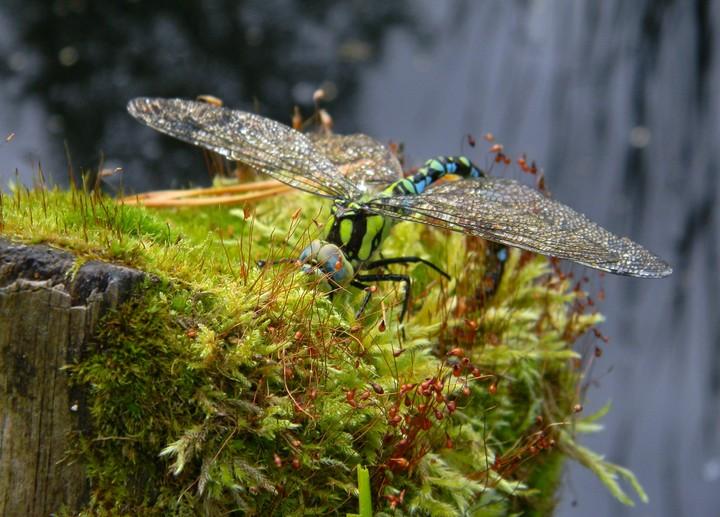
[
  {"x": 268, "y": 146},
  {"x": 363, "y": 160},
  {"x": 505, "y": 211}
]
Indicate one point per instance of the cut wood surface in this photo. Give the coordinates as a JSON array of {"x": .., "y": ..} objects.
[{"x": 47, "y": 313}]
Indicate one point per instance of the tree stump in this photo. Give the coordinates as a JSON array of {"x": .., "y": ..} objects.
[{"x": 48, "y": 311}]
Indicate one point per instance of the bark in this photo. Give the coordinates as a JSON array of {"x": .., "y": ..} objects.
[{"x": 48, "y": 311}]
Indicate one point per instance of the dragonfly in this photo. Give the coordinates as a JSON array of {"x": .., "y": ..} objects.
[{"x": 365, "y": 182}]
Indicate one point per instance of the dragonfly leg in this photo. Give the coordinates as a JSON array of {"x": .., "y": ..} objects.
[
  {"x": 391, "y": 278},
  {"x": 366, "y": 298},
  {"x": 495, "y": 258},
  {"x": 404, "y": 260},
  {"x": 263, "y": 263}
]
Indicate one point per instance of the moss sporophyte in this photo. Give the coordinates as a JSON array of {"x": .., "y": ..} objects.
[{"x": 225, "y": 387}]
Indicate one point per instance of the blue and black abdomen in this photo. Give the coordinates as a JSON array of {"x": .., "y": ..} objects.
[{"x": 432, "y": 171}]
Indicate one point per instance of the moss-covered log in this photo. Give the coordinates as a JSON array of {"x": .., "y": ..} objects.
[
  {"x": 223, "y": 387},
  {"x": 48, "y": 310}
]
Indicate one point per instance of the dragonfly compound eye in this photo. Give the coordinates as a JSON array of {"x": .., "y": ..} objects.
[
  {"x": 328, "y": 260},
  {"x": 332, "y": 261},
  {"x": 310, "y": 253}
]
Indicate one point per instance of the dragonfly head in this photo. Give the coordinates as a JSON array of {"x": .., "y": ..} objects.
[{"x": 325, "y": 259}]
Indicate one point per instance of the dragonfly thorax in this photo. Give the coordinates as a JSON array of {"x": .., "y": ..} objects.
[{"x": 356, "y": 231}]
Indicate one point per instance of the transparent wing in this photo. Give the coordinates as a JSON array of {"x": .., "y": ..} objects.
[
  {"x": 362, "y": 160},
  {"x": 268, "y": 146},
  {"x": 505, "y": 211}
]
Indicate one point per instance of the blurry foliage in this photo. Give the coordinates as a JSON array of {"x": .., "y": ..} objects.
[{"x": 224, "y": 387}]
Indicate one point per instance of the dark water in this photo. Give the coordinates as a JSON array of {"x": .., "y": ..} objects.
[
  {"x": 616, "y": 99},
  {"x": 70, "y": 66}
]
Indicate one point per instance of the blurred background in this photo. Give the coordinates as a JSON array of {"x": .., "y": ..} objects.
[{"x": 615, "y": 100}]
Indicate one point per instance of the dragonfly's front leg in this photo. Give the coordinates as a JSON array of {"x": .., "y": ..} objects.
[
  {"x": 405, "y": 279},
  {"x": 368, "y": 293},
  {"x": 263, "y": 263}
]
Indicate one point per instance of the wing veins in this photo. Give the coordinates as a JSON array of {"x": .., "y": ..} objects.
[
  {"x": 272, "y": 147},
  {"x": 508, "y": 212}
]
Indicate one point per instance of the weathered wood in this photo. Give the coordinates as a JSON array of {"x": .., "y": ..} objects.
[{"x": 47, "y": 314}]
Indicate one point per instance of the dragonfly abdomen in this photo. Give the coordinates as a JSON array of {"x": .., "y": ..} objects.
[{"x": 432, "y": 171}]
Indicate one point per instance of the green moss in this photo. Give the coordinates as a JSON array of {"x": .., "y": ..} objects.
[
  {"x": 141, "y": 395},
  {"x": 223, "y": 387}
]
